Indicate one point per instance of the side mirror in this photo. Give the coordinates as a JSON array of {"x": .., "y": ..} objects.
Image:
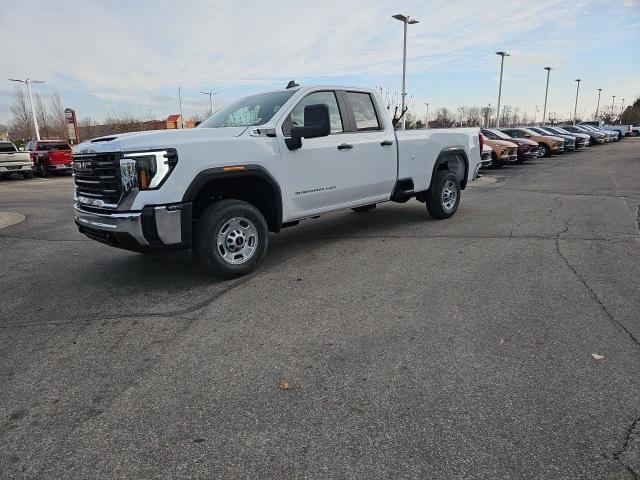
[{"x": 317, "y": 123}]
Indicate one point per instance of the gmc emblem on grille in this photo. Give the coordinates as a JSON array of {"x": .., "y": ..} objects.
[{"x": 83, "y": 166}]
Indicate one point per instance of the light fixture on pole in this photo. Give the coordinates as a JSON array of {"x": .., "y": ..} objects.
[
  {"x": 502, "y": 55},
  {"x": 406, "y": 20},
  {"x": 28, "y": 82},
  {"x": 598, "y": 106},
  {"x": 211, "y": 93},
  {"x": 575, "y": 110},
  {"x": 546, "y": 93},
  {"x": 426, "y": 118}
]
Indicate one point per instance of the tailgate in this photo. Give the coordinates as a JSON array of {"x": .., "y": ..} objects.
[
  {"x": 60, "y": 156},
  {"x": 14, "y": 158}
]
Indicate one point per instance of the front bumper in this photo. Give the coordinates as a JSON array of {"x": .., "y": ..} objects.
[{"x": 154, "y": 228}]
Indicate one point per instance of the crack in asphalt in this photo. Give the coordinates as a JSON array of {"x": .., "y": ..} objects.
[
  {"x": 617, "y": 456},
  {"x": 177, "y": 315},
  {"x": 594, "y": 295},
  {"x": 564, "y": 194}
]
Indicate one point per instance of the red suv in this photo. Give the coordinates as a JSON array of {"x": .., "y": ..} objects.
[{"x": 50, "y": 156}]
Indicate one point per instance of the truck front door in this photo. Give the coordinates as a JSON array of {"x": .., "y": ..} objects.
[{"x": 322, "y": 174}]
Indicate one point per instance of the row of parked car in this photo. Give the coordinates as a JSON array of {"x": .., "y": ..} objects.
[
  {"x": 40, "y": 156},
  {"x": 517, "y": 144}
]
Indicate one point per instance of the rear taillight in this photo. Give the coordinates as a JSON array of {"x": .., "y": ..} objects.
[{"x": 481, "y": 142}]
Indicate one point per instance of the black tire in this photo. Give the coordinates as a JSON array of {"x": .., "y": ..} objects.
[
  {"x": 364, "y": 208},
  {"x": 543, "y": 150},
  {"x": 495, "y": 163},
  {"x": 436, "y": 205},
  {"x": 521, "y": 159},
  {"x": 27, "y": 175},
  {"x": 44, "y": 171},
  {"x": 210, "y": 225},
  {"x": 4, "y": 175}
]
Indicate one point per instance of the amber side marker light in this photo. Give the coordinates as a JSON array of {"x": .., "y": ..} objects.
[{"x": 237, "y": 168}]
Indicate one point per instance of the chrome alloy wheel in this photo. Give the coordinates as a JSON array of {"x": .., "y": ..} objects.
[
  {"x": 237, "y": 240},
  {"x": 449, "y": 195}
]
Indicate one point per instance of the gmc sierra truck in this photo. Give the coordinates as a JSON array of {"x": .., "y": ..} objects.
[
  {"x": 258, "y": 165},
  {"x": 14, "y": 161}
]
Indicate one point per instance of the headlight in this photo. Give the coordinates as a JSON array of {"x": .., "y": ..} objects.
[{"x": 151, "y": 168}]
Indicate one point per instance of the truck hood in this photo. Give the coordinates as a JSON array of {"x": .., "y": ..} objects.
[{"x": 155, "y": 139}]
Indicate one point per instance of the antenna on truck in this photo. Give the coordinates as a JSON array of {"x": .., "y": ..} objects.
[{"x": 292, "y": 84}]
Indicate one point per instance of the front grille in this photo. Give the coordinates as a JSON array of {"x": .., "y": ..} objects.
[{"x": 97, "y": 176}]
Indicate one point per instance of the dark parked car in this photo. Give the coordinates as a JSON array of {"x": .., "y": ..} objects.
[
  {"x": 578, "y": 142},
  {"x": 569, "y": 140},
  {"x": 582, "y": 139},
  {"x": 526, "y": 148},
  {"x": 596, "y": 137}
]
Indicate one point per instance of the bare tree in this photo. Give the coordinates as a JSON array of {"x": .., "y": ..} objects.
[
  {"x": 474, "y": 116},
  {"x": 21, "y": 123},
  {"x": 57, "y": 119},
  {"x": 87, "y": 127},
  {"x": 123, "y": 121},
  {"x": 487, "y": 113},
  {"x": 42, "y": 115},
  {"x": 444, "y": 118}
]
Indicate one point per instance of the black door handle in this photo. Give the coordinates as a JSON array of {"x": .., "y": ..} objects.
[
  {"x": 345, "y": 146},
  {"x": 386, "y": 143}
]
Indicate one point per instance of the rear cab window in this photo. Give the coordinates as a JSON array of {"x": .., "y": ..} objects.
[
  {"x": 364, "y": 111},
  {"x": 52, "y": 146},
  {"x": 6, "y": 147}
]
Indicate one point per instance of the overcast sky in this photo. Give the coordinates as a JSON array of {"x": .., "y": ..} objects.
[{"x": 104, "y": 56}]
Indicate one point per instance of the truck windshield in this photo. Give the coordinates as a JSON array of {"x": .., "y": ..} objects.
[
  {"x": 248, "y": 111},
  {"x": 7, "y": 147}
]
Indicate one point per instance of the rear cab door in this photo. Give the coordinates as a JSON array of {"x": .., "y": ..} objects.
[{"x": 372, "y": 137}]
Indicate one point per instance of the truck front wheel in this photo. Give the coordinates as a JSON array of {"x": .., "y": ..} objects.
[
  {"x": 230, "y": 238},
  {"x": 443, "y": 197}
]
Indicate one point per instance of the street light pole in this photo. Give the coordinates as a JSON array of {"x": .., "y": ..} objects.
[
  {"x": 426, "y": 118},
  {"x": 211, "y": 93},
  {"x": 28, "y": 82},
  {"x": 575, "y": 110},
  {"x": 546, "y": 93},
  {"x": 406, "y": 20},
  {"x": 621, "y": 111},
  {"x": 502, "y": 55},
  {"x": 598, "y": 106},
  {"x": 613, "y": 101}
]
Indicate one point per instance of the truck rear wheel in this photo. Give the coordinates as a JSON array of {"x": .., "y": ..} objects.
[
  {"x": 28, "y": 174},
  {"x": 230, "y": 238},
  {"x": 443, "y": 197}
]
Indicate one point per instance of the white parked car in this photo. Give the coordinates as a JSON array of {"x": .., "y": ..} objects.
[
  {"x": 260, "y": 164},
  {"x": 14, "y": 161}
]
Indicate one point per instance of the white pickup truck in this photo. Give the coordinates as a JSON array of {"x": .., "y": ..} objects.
[
  {"x": 14, "y": 161},
  {"x": 261, "y": 164}
]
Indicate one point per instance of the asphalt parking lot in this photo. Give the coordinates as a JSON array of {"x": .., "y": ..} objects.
[{"x": 499, "y": 344}]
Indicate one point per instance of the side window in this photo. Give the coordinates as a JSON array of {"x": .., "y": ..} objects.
[
  {"x": 514, "y": 133},
  {"x": 296, "y": 117},
  {"x": 363, "y": 111}
]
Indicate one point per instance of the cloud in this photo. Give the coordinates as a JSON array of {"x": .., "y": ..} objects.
[{"x": 133, "y": 52}]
